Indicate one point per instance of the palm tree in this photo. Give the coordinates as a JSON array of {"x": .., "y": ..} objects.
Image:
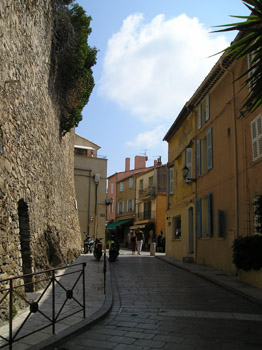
[{"x": 249, "y": 43}]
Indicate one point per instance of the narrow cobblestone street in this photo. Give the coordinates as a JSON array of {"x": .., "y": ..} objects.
[{"x": 159, "y": 306}]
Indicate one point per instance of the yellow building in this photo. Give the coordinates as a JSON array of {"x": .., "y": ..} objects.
[
  {"x": 151, "y": 189},
  {"x": 221, "y": 149},
  {"x": 180, "y": 232},
  {"x": 90, "y": 172}
]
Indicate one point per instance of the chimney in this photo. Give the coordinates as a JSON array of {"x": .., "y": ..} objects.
[
  {"x": 127, "y": 166},
  {"x": 155, "y": 163},
  {"x": 140, "y": 162}
]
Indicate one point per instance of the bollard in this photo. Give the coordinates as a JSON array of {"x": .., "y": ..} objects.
[{"x": 152, "y": 249}]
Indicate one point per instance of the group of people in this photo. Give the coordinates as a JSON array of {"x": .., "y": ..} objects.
[{"x": 136, "y": 239}]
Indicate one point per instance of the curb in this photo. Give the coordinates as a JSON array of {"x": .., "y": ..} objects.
[
  {"x": 181, "y": 265},
  {"x": 58, "y": 339}
]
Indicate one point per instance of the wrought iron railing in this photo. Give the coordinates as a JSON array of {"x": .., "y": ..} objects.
[
  {"x": 147, "y": 192},
  {"x": 62, "y": 297},
  {"x": 146, "y": 215}
]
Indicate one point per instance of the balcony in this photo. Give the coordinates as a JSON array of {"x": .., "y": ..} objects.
[
  {"x": 146, "y": 215},
  {"x": 147, "y": 193}
]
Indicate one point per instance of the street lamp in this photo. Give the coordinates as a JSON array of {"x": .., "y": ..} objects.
[
  {"x": 109, "y": 201},
  {"x": 185, "y": 172}
]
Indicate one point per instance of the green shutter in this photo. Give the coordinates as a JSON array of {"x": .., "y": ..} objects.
[
  {"x": 198, "y": 157},
  {"x": 207, "y": 107},
  {"x": 209, "y": 150},
  {"x": 210, "y": 217},
  {"x": 198, "y": 218},
  {"x": 199, "y": 118}
]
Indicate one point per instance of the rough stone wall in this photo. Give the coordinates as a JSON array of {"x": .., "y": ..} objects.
[{"x": 38, "y": 217}]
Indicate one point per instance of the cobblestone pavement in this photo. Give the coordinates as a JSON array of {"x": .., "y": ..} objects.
[{"x": 160, "y": 306}]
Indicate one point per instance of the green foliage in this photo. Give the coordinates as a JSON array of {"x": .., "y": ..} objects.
[
  {"x": 73, "y": 59},
  {"x": 249, "y": 41},
  {"x": 247, "y": 252}
]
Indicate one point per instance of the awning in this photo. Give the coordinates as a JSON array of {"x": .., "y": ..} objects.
[
  {"x": 117, "y": 223},
  {"x": 85, "y": 147},
  {"x": 136, "y": 227}
]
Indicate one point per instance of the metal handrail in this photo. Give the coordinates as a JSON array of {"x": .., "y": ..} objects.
[{"x": 52, "y": 281}]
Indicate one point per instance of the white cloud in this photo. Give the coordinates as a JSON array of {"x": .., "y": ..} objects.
[
  {"x": 148, "y": 139},
  {"x": 152, "y": 69}
]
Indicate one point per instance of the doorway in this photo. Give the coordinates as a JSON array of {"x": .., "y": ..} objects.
[{"x": 25, "y": 239}]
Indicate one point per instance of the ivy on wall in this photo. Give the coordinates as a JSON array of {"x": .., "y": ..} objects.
[{"x": 72, "y": 61}]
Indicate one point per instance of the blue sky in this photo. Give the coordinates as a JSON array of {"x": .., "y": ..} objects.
[{"x": 153, "y": 54}]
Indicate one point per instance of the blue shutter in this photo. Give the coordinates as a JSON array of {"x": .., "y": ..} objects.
[
  {"x": 198, "y": 157},
  {"x": 209, "y": 150},
  {"x": 210, "y": 217},
  {"x": 199, "y": 118},
  {"x": 189, "y": 161},
  {"x": 133, "y": 204},
  {"x": 198, "y": 218},
  {"x": 220, "y": 223},
  {"x": 207, "y": 107}
]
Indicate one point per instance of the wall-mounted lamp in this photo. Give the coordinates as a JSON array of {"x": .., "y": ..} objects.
[
  {"x": 97, "y": 178},
  {"x": 185, "y": 172},
  {"x": 109, "y": 201}
]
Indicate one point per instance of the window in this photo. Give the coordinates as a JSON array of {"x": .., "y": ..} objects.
[
  {"x": 130, "y": 182},
  {"x": 121, "y": 186},
  {"x": 141, "y": 186},
  {"x": 204, "y": 220},
  {"x": 147, "y": 210},
  {"x": 256, "y": 136},
  {"x": 177, "y": 227},
  {"x": 171, "y": 180},
  {"x": 204, "y": 154},
  {"x": 130, "y": 205},
  {"x": 189, "y": 161},
  {"x": 151, "y": 181},
  {"x": 203, "y": 112},
  {"x": 81, "y": 152},
  {"x": 112, "y": 188},
  {"x": 120, "y": 207}
]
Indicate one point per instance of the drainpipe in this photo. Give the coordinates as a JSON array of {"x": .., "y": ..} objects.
[
  {"x": 89, "y": 201},
  {"x": 235, "y": 150}
]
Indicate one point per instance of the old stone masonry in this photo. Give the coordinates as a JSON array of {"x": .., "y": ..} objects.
[{"x": 38, "y": 216}]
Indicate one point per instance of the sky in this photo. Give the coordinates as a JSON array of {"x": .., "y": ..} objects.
[{"x": 153, "y": 55}]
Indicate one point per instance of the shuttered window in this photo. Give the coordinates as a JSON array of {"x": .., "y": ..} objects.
[
  {"x": 209, "y": 150},
  {"x": 198, "y": 217},
  {"x": 171, "y": 180},
  {"x": 189, "y": 161},
  {"x": 203, "y": 112},
  {"x": 207, "y": 108},
  {"x": 199, "y": 116},
  {"x": 198, "y": 157},
  {"x": 210, "y": 215},
  {"x": 256, "y": 136}
]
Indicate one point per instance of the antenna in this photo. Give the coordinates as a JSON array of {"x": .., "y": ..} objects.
[{"x": 144, "y": 153}]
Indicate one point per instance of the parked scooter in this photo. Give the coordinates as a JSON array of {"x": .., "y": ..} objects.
[
  {"x": 114, "y": 249},
  {"x": 88, "y": 245},
  {"x": 98, "y": 248}
]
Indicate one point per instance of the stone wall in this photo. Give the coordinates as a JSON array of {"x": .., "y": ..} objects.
[{"x": 38, "y": 217}]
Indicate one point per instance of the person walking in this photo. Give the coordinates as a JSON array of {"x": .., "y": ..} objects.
[
  {"x": 139, "y": 240},
  {"x": 133, "y": 242}
]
